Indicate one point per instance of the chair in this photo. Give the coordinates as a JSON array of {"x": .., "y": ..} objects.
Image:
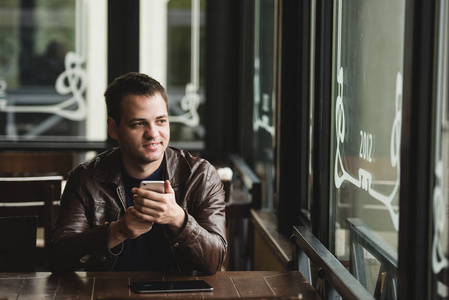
[
  {"x": 32, "y": 196},
  {"x": 18, "y": 244},
  {"x": 244, "y": 193}
]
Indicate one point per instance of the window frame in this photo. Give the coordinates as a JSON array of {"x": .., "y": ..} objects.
[
  {"x": 322, "y": 219},
  {"x": 292, "y": 132},
  {"x": 416, "y": 150}
]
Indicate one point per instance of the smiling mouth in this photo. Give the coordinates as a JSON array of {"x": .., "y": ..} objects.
[{"x": 151, "y": 145}]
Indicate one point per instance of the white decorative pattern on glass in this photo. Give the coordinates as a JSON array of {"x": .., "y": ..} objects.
[
  {"x": 364, "y": 178},
  {"x": 191, "y": 100},
  {"x": 72, "y": 81},
  {"x": 440, "y": 206}
]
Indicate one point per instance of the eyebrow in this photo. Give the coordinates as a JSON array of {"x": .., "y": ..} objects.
[
  {"x": 144, "y": 120},
  {"x": 136, "y": 120}
]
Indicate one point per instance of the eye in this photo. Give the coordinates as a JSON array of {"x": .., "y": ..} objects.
[{"x": 138, "y": 124}]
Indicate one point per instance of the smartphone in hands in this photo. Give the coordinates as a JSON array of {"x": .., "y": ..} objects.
[{"x": 153, "y": 185}]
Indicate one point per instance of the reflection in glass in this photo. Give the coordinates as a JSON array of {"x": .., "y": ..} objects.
[
  {"x": 264, "y": 97},
  {"x": 367, "y": 99},
  {"x": 42, "y": 82},
  {"x": 311, "y": 103},
  {"x": 185, "y": 68}
]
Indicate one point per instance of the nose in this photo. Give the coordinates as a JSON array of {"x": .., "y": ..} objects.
[{"x": 151, "y": 132}]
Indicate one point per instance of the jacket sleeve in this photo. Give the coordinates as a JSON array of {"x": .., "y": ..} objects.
[
  {"x": 202, "y": 244},
  {"x": 76, "y": 242}
]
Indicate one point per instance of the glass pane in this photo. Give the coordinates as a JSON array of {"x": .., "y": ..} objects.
[
  {"x": 309, "y": 203},
  {"x": 367, "y": 105},
  {"x": 440, "y": 241},
  {"x": 185, "y": 68},
  {"x": 264, "y": 37},
  {"x": 43, "y": 80}
]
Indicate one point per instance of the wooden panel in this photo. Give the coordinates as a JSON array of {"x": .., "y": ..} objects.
[
  {"x": 10, "y": 288},
  {"x": 115, "y": 285},
  {"x": 103, "y": 288},
  {"x": 287, "y": 284},
  {"x": 75, "y": 288},
  {"x": 265, "y": 258},
  {"x": 19, "y": 163},
  {"x": 252, "y": 287},
  {"x": 29, "y": 189},
  {"x": 39, "y": 288},
  {"x": 18, "y": 244},
  {"x": 32, "y": 196},
  {"x": 222, "y": 288},
  {"x": 272, "y": 250}
]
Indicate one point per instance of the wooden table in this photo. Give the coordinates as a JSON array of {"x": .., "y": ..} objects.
[{"x": 114, "y": 285}]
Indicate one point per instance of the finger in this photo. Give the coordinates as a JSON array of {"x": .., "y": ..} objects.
[
  {"x": 147, "y": 205},
  {"x": 153, "y": 213},
  {"x": 148, "y": 195},
  {"x": 168, "y": 188},
  {"x": 134, "y": 214},
  {"x": 140, "y": 216}
]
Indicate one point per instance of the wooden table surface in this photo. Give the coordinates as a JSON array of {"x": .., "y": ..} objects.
[{"x": 115, "y": 285}]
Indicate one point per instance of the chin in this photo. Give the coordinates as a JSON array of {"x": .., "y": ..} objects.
[{"x": 152, "y": 158}]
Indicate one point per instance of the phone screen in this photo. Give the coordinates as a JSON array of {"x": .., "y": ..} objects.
[{"x": 171, "y": 286}]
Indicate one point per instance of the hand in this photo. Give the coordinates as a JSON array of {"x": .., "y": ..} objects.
[
  {"x": 159, "y": 208},
  {"x": 130, "y": 226}
]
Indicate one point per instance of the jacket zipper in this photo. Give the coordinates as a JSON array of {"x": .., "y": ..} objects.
[{"x": 120, "y": 197}]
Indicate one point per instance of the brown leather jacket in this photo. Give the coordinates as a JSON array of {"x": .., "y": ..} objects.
[{"x": 94, "y": 197}]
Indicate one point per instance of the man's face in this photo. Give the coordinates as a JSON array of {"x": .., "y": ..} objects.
[{"x": 144, "y": 130}]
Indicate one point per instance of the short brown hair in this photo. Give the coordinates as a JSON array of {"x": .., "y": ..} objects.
[{"x": 132, "y": 83}]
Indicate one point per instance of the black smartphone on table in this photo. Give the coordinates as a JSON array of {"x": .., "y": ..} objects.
[{"x": 142, "y": 287}]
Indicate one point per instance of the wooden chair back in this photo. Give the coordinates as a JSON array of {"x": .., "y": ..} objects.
[
  {"x": 18, "y": 244},
  {"x": 23, "y": 163},
  {"x": 31, "y": 196}
]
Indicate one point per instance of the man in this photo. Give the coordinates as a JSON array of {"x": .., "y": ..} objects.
[{"x": 106, "y": 222}]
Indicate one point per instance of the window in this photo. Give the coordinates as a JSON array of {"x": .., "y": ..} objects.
[
  {"x": 52, "y": 71},
  {"x": 185, "y": 68},
  {"x": 440, "y": 200},
  {"x": 264, "y": 97},
  {"x": 172, "y": 50},
  {"x": 366, "y": 126},
  {"x": 53, "y": 66}
]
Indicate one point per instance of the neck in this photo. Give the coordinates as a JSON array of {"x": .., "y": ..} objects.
[{"x": 140, "y": 171}]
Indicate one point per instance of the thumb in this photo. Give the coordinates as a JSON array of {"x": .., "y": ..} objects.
[{"x": 168, "y": 188}]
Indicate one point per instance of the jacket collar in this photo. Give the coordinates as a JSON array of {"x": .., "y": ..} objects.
[
  {"x": 177, "y": 169},
  {"x": 108, "y": 166}
]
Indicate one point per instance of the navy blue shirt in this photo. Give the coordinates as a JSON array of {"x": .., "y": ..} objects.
[{"x": 150, "y": 251}]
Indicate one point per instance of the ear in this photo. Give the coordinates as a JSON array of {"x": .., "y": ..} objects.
[{"x": 112, "y": 128}]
